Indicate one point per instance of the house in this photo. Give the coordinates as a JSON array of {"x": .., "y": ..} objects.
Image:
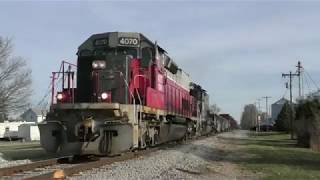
[
  {"x": 34, "y": 115},
  {"x": 276, "y": 108}
]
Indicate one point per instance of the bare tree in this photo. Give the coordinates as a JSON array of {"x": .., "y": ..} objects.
[
  {"x": 249, "y": 116},
  {"x": 214, "y": 109},
  {"x": 15, "y": 80}
]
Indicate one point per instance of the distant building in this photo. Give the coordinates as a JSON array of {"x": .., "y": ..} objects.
[
  {"x": 276, "y": 109},
  {"x": 9, "y": 129},
  {"x": 314, "y": 95},
  {"x": 34, "y": 115},
  {"x": 23, "y": 127}
]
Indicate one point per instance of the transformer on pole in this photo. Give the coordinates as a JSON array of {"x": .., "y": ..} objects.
[{"x": 290, "y": 75}]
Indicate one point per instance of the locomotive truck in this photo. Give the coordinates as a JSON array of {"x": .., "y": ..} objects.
[{"x": 124, "y": 93}]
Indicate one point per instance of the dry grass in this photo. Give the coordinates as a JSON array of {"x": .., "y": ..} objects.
[{"x": 278, "y": 157}]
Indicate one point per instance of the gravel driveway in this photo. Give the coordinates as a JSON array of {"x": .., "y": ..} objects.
[{"x": 208, "y": 158}]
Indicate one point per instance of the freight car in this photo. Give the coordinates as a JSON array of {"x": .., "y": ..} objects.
[{"x": 125, "y": 93}]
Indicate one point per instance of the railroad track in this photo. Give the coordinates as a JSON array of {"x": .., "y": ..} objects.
[
  {"x": 8, "y": 171},
  {"x": 25, "y": 170},
  {"x": 61, "y": 168}
]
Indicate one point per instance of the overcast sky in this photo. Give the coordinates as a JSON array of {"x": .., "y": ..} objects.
[{"x": 235, "y": 50}]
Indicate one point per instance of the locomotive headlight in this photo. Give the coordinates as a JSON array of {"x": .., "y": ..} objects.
[
  {"x": 95, "y": 65},
  {"x": 104, "y": 95},
  {"x": 59, "y": 96},
  {"x": 98, "y": 64},
  {"x": 102, "y": 64}
]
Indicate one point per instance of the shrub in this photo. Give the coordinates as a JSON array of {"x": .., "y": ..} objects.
[{"x": 307, "y": 121}]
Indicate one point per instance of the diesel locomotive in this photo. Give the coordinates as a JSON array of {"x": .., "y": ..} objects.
[{"x": 124, "y": 93}]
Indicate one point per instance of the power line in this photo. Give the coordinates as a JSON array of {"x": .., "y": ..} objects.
[
  {"x": 315, "y": 84},
  {"x": 285, "y": 93},
  {"x": 307, "y": 83},
  {"x": 47, "y": 95}
]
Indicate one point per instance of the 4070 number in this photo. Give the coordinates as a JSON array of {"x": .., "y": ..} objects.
[{"x": 129, "y": 41}]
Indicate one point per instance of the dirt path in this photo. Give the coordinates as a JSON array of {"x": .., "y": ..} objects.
[
  {"x": 223, "y": 165},
  {"x": 220, "y": 154}
]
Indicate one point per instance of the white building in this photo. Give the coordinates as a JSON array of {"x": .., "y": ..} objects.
[
  {"x": 9, "y": 129},
  {"x": 26, "y": 128},
  {"x": 29, "y": 132},
  {"x": 276, "y": 108},
  {"x": 314, "y": 95},
  {"x": 34, "y": 115}
]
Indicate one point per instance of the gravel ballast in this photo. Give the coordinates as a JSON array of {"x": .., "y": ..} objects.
[
  {"x": 208, "y": 158},
  {"x": 17, "y": 153},
  {"x": 5, "y": 163}
]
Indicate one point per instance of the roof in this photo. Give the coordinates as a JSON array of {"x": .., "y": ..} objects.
[
  {"x": 87, "y": 44},
  {"x": 281, "y": 101},
  {"x": 37, "y": 111},
  {"x": 227, "y": 116}
]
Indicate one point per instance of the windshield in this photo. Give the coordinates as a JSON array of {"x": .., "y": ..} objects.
[{"x": 113, "y": 52}]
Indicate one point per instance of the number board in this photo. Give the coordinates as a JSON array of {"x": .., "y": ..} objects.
[
  {"x": 128, "y": 41},
  {"x": 101, "y": 42}
]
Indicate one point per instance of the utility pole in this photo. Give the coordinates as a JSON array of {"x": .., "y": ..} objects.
[
  {"x": 267, "y": 111},
  {"x": 256, "y": 116},
  {"x": 290, "y": 75},
  {"x": 299, "y": 71},
  {"x": 259, "y": 115}
]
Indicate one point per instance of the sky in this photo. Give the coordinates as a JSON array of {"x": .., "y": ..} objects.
[{"x": 236, "y": 50}]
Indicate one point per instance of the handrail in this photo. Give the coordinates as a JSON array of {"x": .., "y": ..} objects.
[
  {"x": 134, "y": 101},
  {"x": 141, "y": 103},
  {"x": 134, "y": 83},
  {"x": 62, "y": 71}
]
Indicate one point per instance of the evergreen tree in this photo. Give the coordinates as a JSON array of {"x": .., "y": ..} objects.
[{"x": 282, "y": 122}]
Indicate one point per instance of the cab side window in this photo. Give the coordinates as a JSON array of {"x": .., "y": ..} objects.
[{"x": 146, "y": 56}]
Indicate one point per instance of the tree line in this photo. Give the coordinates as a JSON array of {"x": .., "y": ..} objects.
[{"x": 305, "y": 124}]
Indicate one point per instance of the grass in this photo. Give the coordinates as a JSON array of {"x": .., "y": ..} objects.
[{"x": 277, "y": 157}]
